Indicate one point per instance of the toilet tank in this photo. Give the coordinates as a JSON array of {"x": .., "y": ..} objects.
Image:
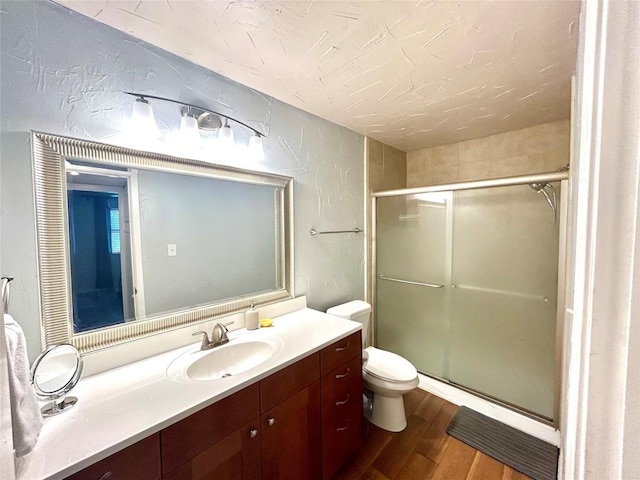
[{"x": 356, "y": 310}]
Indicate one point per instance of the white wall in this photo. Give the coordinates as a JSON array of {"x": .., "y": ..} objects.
[
  {"x": 601, "y": 427},
  {"x": 64, "y": 73}
]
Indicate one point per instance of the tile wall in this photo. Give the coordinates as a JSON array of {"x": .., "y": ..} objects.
[{"x": 538, "y": 149}]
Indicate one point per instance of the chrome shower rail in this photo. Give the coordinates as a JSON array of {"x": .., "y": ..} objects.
[
  {"x": 421, "y": 284},
  {"x": 313, "y": 231},
  {"x": 494, "y": 182}
]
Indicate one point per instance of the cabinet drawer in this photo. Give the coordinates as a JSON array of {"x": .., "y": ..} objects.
[
  {"x": 188, "y": 438},
  {"x": 140, "y": 461},
  {"x": 341, "y": 439},
  {"x": 342, "y": 387},
  {"x": 281, "y": 385},
  {"x": 340, "y": 352},
  {"x": 341, "y": 414}
]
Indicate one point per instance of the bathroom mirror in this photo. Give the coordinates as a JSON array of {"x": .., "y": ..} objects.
[
  {"x": 54, "y": 373},
  {"x": 131, "y": 243}
]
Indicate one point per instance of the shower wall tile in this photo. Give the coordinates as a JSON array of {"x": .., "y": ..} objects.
[
  {"x": 395, "y": 168},
  {"x": 419, "y": 167},
  {"x": 376, "y": 163},
  {"x": 474, "y": 159},
  {"x": 387, "y": 167},
  {"x": 505, "y": 166},
  {"x": 542, "y": 148},
  {"x": 468, "y": 172},
  {"x": 444, "y": 164}
]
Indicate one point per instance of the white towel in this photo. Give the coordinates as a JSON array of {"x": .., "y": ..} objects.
[{"x": 25, "y": 412}]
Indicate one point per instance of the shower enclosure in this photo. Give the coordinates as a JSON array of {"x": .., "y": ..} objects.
[{"x": 466, "y": 285}]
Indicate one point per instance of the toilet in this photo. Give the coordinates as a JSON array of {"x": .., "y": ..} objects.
[{"x": 387, "y": 375}]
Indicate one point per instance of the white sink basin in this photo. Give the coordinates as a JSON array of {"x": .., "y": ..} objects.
[{"x": 238, "y": 356}]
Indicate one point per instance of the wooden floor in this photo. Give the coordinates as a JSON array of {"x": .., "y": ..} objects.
[{"x": 423, "y": 451}]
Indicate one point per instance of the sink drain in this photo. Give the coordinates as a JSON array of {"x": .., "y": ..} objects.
[{"x": 226, "y": 375}]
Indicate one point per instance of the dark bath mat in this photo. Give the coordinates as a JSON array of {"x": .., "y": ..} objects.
[{"x": 520, "y": 451}]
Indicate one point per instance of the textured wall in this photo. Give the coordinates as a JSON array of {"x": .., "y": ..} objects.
[
  {"x": 63, "y": 73},
  {"x": 543, "y": 148}
]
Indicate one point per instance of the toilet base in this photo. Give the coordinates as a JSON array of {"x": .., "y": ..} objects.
[{"x": 388, "y": 413}]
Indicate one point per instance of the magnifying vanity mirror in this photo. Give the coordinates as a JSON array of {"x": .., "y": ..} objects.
[
  {"x": 132, "y": 243},
  {"x": 54, "y": 373}
]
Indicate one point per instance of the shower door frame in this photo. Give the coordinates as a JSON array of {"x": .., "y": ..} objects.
[{"x": 563, "y": 177}]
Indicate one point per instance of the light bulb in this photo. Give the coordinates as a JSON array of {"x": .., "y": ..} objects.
[
  {"x": 142, "y": 120},
  {"x": 256, "y": 149},
  {"x": 189, "y": 134},
  {"x": 225, "y": 138}
]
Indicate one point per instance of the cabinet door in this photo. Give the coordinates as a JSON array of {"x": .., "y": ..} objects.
[
  {"x": 204, "y": 430},
  {"x": 235, "y": 457},
  {"x": 140, "y": 461},
  {"x": 291, "y": 437}
]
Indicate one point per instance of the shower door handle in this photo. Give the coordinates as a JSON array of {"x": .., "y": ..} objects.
[{"x": 421, "y": 284}]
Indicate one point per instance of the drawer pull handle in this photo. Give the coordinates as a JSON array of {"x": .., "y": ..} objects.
[
  {"x": 342, "y": 429},
  {"x": 341, "y": 349},
  {"x": 342, "y": 375},
  {"x": 253, "y": 433},
  {"x": 271, "y": 422},
  {"x": 105, "y": 476},
  {"x": 342, "y": 402}
]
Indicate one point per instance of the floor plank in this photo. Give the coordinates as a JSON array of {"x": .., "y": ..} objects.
[
  {"x": 423, "y": 451},
  {"x": 457, "y": 461},
  {"x": 374, "y": 442},
  {"x": 399, "y": 449},
  {"x": 373, "y": 474},
  {"x": 432, "y": 444},
  {"x": 417, "y": 467},
  {"x": 429, "y": 407},
  {"x": 412, "y": 400},
  {"x": 511, "y": 474},
  {"x": 485, "y": 467}
]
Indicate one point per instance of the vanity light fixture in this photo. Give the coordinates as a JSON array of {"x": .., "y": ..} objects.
[
  {"x": 194, "y": 120},
  {"x": 143, "y": 119}
]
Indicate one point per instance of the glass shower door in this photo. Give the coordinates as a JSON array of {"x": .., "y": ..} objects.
[
  {"x": 413, "y": 247},
  {"x": 491, "y": 327},
  {"x": 504, "y": 296}
]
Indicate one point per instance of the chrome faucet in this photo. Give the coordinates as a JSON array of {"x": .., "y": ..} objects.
[{"x": 218, "y": 336}]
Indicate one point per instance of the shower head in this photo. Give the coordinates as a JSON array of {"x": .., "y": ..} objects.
[
  {"x": 538, "y": 186},
  {"x": 551, "y": 200}
]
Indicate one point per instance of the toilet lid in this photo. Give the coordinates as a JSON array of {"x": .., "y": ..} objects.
[{"x": 389, "y": 366}]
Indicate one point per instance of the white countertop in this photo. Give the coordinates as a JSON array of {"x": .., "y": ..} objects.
[{"x": 119, "y": 407}]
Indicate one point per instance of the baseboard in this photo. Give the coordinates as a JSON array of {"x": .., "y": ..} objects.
[{"x": 514, "y": 419}]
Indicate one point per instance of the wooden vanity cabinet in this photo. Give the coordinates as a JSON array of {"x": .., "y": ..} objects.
[
  {"x": 140, "y": 461},
  {"x": 341, "y": 386},
  {"x": 269, "y": 430},
  {"x": 299, "y": 423}
]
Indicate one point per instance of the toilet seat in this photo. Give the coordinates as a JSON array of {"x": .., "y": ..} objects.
[{"x": 388, "y": 366}]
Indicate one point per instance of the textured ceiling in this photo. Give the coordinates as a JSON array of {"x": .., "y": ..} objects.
[{"x": 410, "y": 74}]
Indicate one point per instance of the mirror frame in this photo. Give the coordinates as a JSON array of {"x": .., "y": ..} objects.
[{"x": 49, "y": 153}]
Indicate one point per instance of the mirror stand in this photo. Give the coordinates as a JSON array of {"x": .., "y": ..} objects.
[
  {"x": 54, "y": 373},
  {"x": 58, "y": 406}
]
